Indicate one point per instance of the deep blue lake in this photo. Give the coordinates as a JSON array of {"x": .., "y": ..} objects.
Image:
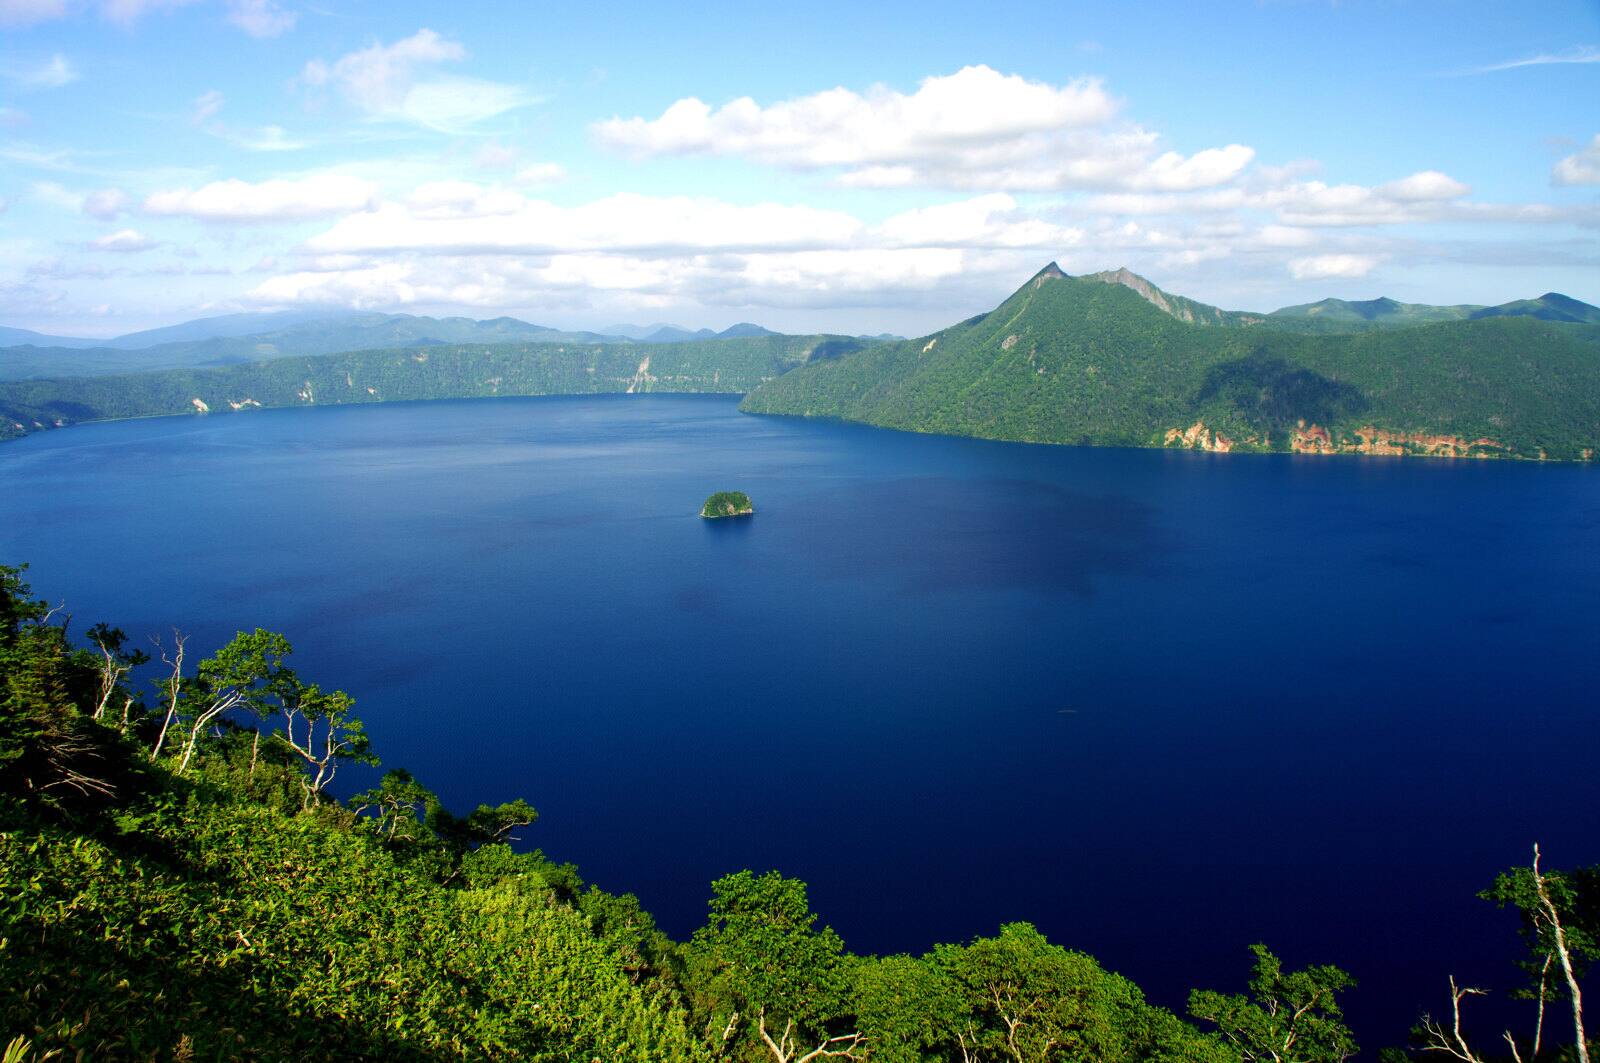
[{"x": 1161, "y": 704}]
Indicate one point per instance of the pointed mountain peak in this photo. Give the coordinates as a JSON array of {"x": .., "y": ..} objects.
[{"x": 1052, "y": 272}]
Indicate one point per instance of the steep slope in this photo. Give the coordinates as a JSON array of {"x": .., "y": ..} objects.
[
  {"x": 1186, "y": 310},
  {"x": 1069, "y": 360}
]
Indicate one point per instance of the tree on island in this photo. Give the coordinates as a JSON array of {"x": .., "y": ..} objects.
[{"x": 727, "y": 504}]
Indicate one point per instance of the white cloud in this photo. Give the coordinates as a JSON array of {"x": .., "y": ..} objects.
[
  {"x": 1172, "y": 172},
  {"x": 1583, "y": 53},
  {"x": 1323, "y": 267},
  {"x": 976, "y": 128},
  {"x": 105, "y": 204},
  {"x": 28, "y": 12},
  {"x": 127, "y": 241},
  {"x": 10, "y": 116},
  {"x": 495, "y": 156},
  {"x": 261, "y": 18},
  {"x": 991, "y": 220},
  {"x": 540, "y": 173},
  {"x": 319, "y": 196},
  {"x": 1582, "y": 168},
  {"x": 1426, "y": 186},
  {"x": 56, "y": 195},
  {"x": 385, "y": 82},
  {"x": 262, "y": 138},
  {"x": 207, "y": 106},
  {"x": 462, "y": 218},
  {"x": 53, "y": 73}
]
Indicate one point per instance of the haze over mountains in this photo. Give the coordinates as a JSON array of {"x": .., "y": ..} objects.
[{"x": 236, "y": 338}]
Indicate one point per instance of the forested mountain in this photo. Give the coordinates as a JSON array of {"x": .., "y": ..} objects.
[
  {"x": 1381, "y": 311},
  {"x": 290, "y": 335},
  {"x": 1078, "y": 360},
  {"x": 432, "y": 372}
]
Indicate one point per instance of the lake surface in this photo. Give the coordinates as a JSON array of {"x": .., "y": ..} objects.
[{"x": 1161, "y": 704}]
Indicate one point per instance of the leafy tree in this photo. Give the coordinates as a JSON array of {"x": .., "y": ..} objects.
[
  {"x": 912, "y": 1010},
  {"x": 397, "y": 805},
  {"x": 759, "y": 973},
  {"x": 343, "y": 737},
  {"x": 1289, "y": 1017}
]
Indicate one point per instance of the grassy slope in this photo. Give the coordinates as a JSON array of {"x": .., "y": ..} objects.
[
  {"x": 732, "y": 366},
  {"x": 1095, "y": 363}
]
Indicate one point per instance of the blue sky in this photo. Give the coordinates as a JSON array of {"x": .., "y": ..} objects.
[{"x": 888, "y": 167}]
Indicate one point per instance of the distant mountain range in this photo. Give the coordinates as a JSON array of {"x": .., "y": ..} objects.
[
  {"x": 661, "y": 332},
  {"x": 1111, "y": 359},
  {"x": 239, "y": 338},
  {"x": 1108, "y": 358}
]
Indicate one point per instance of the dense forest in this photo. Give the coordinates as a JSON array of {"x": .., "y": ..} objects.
[
  {"x": 730, "y": 366},
  {"x": 180, "y": 878},
  {"x": 1108, "y": 361}
]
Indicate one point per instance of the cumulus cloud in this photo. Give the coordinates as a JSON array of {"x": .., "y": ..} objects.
[
  {"x": 53, "y": 73},
  {"x": 976, "y": 128},
  {"x": 1324, "y": 267},
  {"x": 1427, "y": 186},
  {"x": 126, "y": 241},
  {"x": 261, "y": 18},
  {"x": 1582, "y": 168},
  {"x": 395, "y": 82},
  {"x": 318, "y": 196}
]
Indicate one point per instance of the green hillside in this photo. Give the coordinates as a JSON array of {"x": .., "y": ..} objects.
[
  {"x": 329, "y": 335},
  {"x": 1075, "y": 360},
  {"x": 457, "y": 371},
  {"x": 1373, "y": 312}
]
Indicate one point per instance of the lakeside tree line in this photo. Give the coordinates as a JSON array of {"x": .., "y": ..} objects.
[{"x": 177, "y": 881}]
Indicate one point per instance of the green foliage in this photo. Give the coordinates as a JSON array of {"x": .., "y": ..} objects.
[
  {"x": 1575, "y": 897},
  {"x": 1289, "y": 1017},
  {"x": 760, "y": 958},
  {"x": 1026, "y": 999},
  {"x": 730, "y": 366},
  {"x": 1069, "y": 360},
  {"x": 727, "y": 504}
]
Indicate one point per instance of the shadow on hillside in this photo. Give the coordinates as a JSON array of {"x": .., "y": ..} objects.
[{"x": 1272, "y": 394}]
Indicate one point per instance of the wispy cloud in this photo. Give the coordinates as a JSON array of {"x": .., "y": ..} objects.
[
  {"x": 394, "y": 82},
  {"x": 53, "y": 73},
  {"x": 1582, "y": 53},
  {"x": 28, "y": 12},
  {"x": 126, "y": 241},
  {"x": 261, "y": 18}
]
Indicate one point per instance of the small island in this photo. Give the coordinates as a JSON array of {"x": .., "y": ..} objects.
[{"x": 727, "y": 504}]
